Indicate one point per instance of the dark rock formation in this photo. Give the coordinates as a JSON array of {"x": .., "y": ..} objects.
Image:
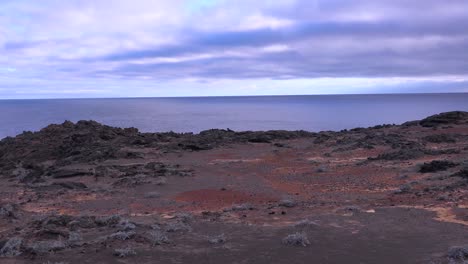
[{"x": 456, "y": 117}]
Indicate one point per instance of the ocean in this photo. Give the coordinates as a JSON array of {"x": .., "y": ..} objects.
[{"x": 194, "y": 114}]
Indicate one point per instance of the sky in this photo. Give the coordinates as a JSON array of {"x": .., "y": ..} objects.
[{"x": 151, "y": 48}]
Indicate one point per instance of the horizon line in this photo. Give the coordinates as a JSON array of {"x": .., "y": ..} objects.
[{"x": 221, "y": 96}]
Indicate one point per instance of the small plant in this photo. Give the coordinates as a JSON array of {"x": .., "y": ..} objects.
[
  {"x": 126, "y": 225},
  {"x": 41, "y": 247},
  {"x": 177, "y": 226},
  {"x": 124, "y": 252},
  {"x": 74, "y": 238},
  {"x": 122, "y": 235},
  {"x": 296, "y": 239},
  {"x": 108, "y": 220},
  {"x": 156, "y": 237},
  {"x": 184, "y": 217}
]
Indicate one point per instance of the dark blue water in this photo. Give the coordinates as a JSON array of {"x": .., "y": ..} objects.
[{"x": 313, "y": 113}]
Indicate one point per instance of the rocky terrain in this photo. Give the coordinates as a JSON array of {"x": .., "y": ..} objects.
[{"x": 89, "y": 193}]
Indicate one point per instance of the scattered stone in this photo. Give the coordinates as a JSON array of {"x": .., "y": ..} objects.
[
  {"x": 241, "y": 207},
  {"x": 287, "y": 203},
  {"x": 405, "y": 188},
  {"x": 160, "y": 181},
  {"x": 459, "y": 253},
  {"x": 220, "y": 239},
  {"x": 305, "y": 223},
  {"x": 403, "y": 154},
  {"x": 124, "y": 252},
  {"x": 69, "y": 173},
  {"x": 440, "y": 138},
  {"x": 321, "y": 170},
  {"x": 437, "y": 165},
  {"x": 12, "y": 247},
  {"x": 352, "y": 208},
  {"x": 7, "y": 211},
  {"x": 462, "y": 174},
  {"x": 296, "y": 239},
  {"x": 71, "y": 185},
  {"x": 151, "y": 195}
]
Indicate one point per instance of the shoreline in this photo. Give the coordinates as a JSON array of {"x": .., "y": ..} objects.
[{"x": 87, "y": 193}]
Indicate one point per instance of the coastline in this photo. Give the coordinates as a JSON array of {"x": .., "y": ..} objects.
[{"x": 363, "y": 194}]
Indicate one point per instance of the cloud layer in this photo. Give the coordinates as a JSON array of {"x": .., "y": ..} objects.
[{"x": 193, "y": 47}]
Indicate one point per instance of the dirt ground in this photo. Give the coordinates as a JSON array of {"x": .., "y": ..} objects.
[{"x": 87, "y": 193}]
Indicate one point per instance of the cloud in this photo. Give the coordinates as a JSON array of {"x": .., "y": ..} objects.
[{"x": 104, "y": 42}]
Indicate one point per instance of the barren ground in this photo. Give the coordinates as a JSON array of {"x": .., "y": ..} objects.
[{"x": 85, "y": 193}]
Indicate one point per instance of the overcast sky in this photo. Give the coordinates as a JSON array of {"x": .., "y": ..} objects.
[{"x": 117, "y": 48}]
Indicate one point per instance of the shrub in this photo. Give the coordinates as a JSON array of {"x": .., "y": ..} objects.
[
  {"x": 184, "y": 217},
  {"x": 41, "y": 247},
  {"x": 126, "y": 225},
  {"x": 177, "y": 226},
  {"x": 122, "y": 235},
  {"x": 296, "y": 239},
  {"x": 156, "y": 237},
  {"x": 74, "y": 238},
  {"x": 108, "y": 220}
]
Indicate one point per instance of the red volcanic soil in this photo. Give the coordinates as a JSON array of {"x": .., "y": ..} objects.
[
  {"x": 88, "y": 193},
  {"x": 215, "y": 199}
]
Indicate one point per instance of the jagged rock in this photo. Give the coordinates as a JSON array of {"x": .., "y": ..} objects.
[
  {"x": 11, "y": 247},
  {"x": 68, "y": 173},
  {"x": 447, "y": 118}
]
